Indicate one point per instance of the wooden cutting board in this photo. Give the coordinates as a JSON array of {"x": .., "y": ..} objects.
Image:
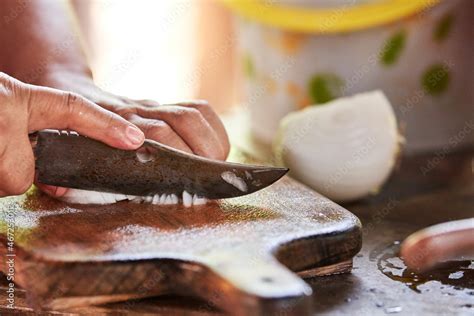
[{"x": 240, "y": 254}]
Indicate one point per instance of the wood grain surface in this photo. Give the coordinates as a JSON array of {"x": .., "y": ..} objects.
[{"x": 239, "y": 254}]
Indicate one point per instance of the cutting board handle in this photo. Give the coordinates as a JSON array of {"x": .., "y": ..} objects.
[{"x": 257, "y": 279}]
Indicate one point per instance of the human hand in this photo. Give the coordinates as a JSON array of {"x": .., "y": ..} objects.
[
  {"x": 26, "y": 108},
  {"x": 191, "y": 126}
]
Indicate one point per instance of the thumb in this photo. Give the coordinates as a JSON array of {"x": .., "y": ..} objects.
[{"x": 51, "y": 108}]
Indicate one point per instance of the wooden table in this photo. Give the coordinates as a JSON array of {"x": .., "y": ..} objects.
[{"x": 408, "y": 202}]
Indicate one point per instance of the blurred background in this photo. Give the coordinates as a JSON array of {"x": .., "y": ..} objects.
[
  {"x": 275, "y": 57},
  {"x": 176, "y": 49}
]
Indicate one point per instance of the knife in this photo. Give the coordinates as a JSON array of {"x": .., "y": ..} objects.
[{"x": 64, "y": 158}]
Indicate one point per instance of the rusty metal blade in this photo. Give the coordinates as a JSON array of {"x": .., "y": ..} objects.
[{"x": 69, "y": 160}]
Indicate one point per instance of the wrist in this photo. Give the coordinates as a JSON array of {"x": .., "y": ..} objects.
[
  {"x": 81, "y": 82},
  {"x": 63, "y": 77}
]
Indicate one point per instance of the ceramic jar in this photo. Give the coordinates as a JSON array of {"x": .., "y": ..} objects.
[{"x": 307, "y": 52}]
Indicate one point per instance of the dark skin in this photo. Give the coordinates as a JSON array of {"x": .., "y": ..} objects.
[{"x": 41, "y": 48}]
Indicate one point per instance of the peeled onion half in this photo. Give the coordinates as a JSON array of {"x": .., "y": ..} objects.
[{"x": 344, "y": 149}]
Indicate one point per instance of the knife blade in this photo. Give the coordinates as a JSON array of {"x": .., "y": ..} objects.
[{"x": 69, "y": 160}]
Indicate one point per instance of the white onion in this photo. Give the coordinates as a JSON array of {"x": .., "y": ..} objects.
[
  {"x": 197, "y": 200},
  {"x": 187, "y": 199},
  {"x": 344, "y": 149},
  {"x": 232, "y": 179},
  {"x": 77, "y": 196}
]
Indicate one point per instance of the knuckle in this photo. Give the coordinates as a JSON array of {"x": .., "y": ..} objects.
[
  {"x": 182, "y": 114},
  {"x": 203, "y": 106},
  {"x": 72, "y": 100},
  {"x": 130, "y": 114},
  {"x": 148, "y": 103},
  {"x": 158, "y": 129},
  {"x": 71, "y": 103},
  {"x": 126, "y": 111},
  {"x": 191, "y": 114}
]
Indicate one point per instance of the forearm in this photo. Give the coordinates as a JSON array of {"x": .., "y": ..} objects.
[{"x": 38, "y": 37}]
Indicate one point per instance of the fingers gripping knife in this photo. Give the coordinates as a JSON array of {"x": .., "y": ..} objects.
[{"x": 69, "y": 160}]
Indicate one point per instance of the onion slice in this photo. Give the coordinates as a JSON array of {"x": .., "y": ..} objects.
[{"x": 77, "y": 196}]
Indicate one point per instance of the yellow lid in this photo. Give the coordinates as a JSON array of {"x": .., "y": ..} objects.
[{"x": 327, "y": 20}]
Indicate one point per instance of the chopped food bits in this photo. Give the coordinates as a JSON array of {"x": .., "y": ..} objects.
[{"x": 77, "y": 196}]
